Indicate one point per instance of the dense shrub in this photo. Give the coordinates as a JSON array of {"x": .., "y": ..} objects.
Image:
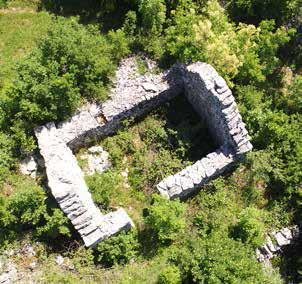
[
  {"x": 102, "y": 186},
  {"x": 170, "y": 275},
  {"x": 70, "y": 63},
  {"x": 118, "y": 249},
  {"x": 24, "y": 206},
  {"x": 256, "y": 10},
  {"x": 250, "y": 227},
  {"x": 6, "y": 160},
  {"x": 218, "y": 259},
  {"x": 3, "y": 3},
  {"x": 153, "y": 14},
  {"x": 245, "y": 52},
  {"x": 166, "y": 218}
]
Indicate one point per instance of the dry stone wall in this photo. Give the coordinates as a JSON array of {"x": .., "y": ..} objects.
[
  {"x": 132, "y": 96},
  {"x": 276, "y": 241},
  {"x": 212, "y": 99},
  {"x": 67, "y": 184}
]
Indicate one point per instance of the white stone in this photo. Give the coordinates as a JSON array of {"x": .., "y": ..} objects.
[
  {"x": 28, "y": 166},
  {"x": 149, "y": 87},
  {"x": 97, "y": 160},
  {"x": 59, "y": 260},
  {"x": 281, "y": 240},
  {"x": 287, "y": 233},
  {"x": 67, "y": 184}
]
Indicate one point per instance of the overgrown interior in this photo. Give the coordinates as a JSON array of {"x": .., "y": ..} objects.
[{"x": 174, "y": 132}]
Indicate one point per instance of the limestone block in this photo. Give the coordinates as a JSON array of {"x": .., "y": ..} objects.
[
  {"x": 286, "y": 232},
  {"x": 281, "y": 240},
  {"x": 114, "y": 222},
  {"x": 283, "y": 237},
  {"x": 29, "y": 166}
]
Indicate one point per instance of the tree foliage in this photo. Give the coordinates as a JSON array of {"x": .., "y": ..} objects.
[
  {"x": 219, "y": 259},
  {"x": 118, "y": 249},
  {"x": 24, "y": 206},
  {"x": 250, "y": 227},
  {"x": 70, "y": 64},
  {"x": 166, "y": 218}
]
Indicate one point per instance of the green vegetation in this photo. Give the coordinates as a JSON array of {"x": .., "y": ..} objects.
[
  {"x": 255, "y": 45},
  {"x": 170, "y": 275},
  {"x": 18, "y": 34},
  {"x": 166, "y": 218},
  {"x": 25, "y": 206},
  {"x": 118, "y": 249}
]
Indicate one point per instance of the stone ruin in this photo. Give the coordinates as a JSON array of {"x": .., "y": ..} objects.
[
  {"x": 212, "y": 99},
  {"x": 133, "y": 96},
  {"x": 276, "y": 241}
]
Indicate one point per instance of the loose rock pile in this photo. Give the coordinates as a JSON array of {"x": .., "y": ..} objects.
[
  {"x": 277, "y": 240},
  {"x": 134, "y": 95},
  {"x": 9, "y": 275},
  {"x": 29, "y": 167},
  {"x": 97, "y": 160}
]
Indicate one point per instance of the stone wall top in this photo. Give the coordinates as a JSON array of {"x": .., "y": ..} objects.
[
  {"x": 276, "y": 241},
  {"x": 67, "y": 184},
  {"x": 212, "y": 99}
]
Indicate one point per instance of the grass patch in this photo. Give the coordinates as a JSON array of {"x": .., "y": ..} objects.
[
  {"x": 18, "y": 34},
  {"x": 24, "y": 4}
]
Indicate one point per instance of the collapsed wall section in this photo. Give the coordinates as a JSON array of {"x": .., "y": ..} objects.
[
  {"x": 67, "y": 184},
  {"x": 133, "y": 95}
]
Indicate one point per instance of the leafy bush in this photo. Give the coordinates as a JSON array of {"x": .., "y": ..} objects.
[
  {"x": 170, "y": 275},
  {"x": 71, "y": 63},
  {"x": 6, "y": 160},
  {"x": 3, "y": 3},
  {"x": 245, "y": 52},
  {"x": 118, "y": 249},
  {"x": 256, "y": 10},
  {"x": 102, "y": 186},
  {"x": 166, "y": 218},
  {"x": 153, "y": 14},
  {"x": 119, "y": 43},
  {"x": 250, "y": 227},
  {"x": 27, "y": 207},
  {"x": 219, "y": 259},
  {"x": 290, "y": 99}
]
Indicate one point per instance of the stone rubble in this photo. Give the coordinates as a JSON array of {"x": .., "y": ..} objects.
[
  {"x": 277, "y": 240},
  {"x": 29, "y": 166},
  {"x": 133, "y": 96},
  {"x": 59, "y": 260},
  {"x": 97, "y": 160},
  {"x": 32, "y": 165},
  {"x": 9, "y": 275}
]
